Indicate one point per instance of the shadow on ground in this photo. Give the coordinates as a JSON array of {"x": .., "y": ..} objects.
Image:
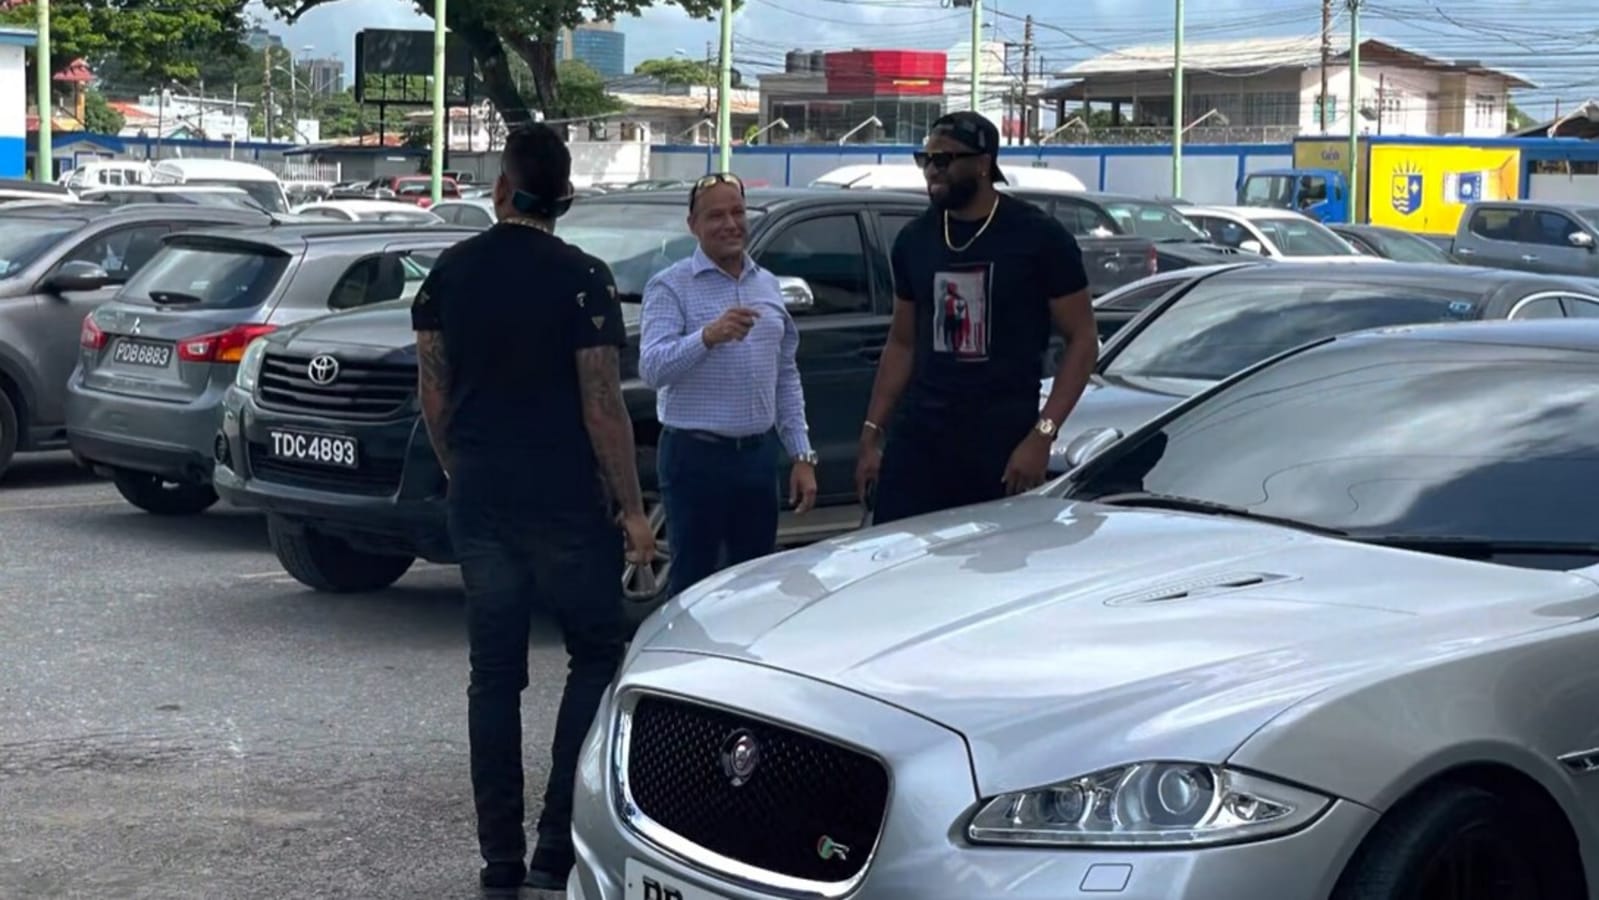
[{"x": 45, "y": 470}]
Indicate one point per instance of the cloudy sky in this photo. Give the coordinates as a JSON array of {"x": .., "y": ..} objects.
[{"x": 1545, "y": 41}]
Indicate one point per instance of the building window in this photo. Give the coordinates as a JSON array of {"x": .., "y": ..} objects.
[
  {"x": 1332, "y": 107},
  {"x": 1271, "y": 108},
  {"x": 1393, "y": 109},
  {"x": 1487, "y": 105}
]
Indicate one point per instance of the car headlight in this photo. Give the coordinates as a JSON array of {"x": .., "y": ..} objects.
[
  {"x": 250, "y": 365},
  {"x": 1148, "y": 804}
]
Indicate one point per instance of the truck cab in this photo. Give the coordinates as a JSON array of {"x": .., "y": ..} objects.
[{"x": 1321, "y": 194}]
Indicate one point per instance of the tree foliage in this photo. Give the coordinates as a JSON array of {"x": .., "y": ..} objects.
[
  {"x": 676, "y": 70},
  {"x": 157, "y": 40},
  {"x": 98, "y": 116}
]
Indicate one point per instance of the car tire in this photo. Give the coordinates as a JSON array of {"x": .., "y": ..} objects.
[
  {"x": 325, "y": 563},
  {"x": 10, "y": 432},
  {"x": 163, "y": 498},
  {"x": 1415, "y": 843}
]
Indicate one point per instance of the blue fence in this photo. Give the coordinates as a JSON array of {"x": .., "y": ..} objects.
[{"x": 1211, "y": 172}]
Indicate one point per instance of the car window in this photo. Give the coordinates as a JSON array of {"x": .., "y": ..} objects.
[
  {"x": 891, "y": 225},
  {"x": 122, "y": 251},
  {"x": 1268, "y": 190},
  {"x": 1496, "y": 223},
  {"x": 1224, "y": 325},
  {"x": 473, "y": 216},
  {"x": 23, "y": 240},
  {"x": 1582, "y": 308},
  {"x": 1224, "y": 231},
  {"x": 1302, "y": 237},
  {"x": 1360, "y": 242},
  {"x": 1083, "y": 220},
  {"x": 636, "y": 239},
  {"x": 1135, "y": 297},
  {"x": 1553, "y": 229},
  {"x": 267, "y": 194},
  {"x": 396, "y": 275},
  {"x": 1153, "y": 221},
  {"x": 829, "y": 252},
  {"x": 1541, "y": 308},
  {"x": 1420, "y": 438},
  {"x": 208, "y": 276},
  {"x": 1403, "y": 247}
]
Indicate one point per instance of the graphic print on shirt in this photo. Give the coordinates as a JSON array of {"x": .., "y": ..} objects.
[{"x": 961, "y": 314}]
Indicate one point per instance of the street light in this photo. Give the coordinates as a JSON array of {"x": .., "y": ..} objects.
[
  {"x": 1216, "y": 114},
  {"x": 851, "y": 133},
  {"x": 780, "y": 123},
  {"x": 1073, "y": 121}
]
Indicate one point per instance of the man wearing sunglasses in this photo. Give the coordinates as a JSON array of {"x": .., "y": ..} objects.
[
  {"x": 982, "y": 280},
  {"x": 718, "y": 345}
]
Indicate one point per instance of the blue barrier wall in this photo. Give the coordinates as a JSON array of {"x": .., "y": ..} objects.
[{"x": 1211, "y": 172}]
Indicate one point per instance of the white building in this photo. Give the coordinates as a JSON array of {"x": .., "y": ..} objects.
[
  {"x": 995, "y": 85},
  {"x": 1269, "y": 89}
]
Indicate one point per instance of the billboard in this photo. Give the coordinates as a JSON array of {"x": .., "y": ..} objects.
[
  {"x": 393, "y": 64},
  {"x": 1425, "y": 188}
]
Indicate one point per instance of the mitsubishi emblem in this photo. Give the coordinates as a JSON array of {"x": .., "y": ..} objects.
[
  {"x": 322, "y": 370},
  {"x": 136, "y": 321}
]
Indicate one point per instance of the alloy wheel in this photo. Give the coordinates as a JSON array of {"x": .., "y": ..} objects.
[{"x": 644, "y": 584}]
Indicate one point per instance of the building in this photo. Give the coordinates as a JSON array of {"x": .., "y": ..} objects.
[
  {"x": 14, "y": 44},
  {"x": 597, "y": 45},
  {"x": 323, "y": 76},
  {"x": 997, "y": 86},
  {"x": 860, "y": 96},
  {"x": 1269, "y": 89},
  {"x": 258, "y": 39}
]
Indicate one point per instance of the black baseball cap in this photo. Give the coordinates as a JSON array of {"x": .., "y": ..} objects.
[{"x": 975, "y": 131}]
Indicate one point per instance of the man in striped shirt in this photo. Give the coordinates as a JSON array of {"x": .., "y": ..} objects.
[{"x": 719, "y": 347}]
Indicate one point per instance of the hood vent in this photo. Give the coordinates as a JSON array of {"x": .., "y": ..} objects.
[{"x": 1197, "y": 587}]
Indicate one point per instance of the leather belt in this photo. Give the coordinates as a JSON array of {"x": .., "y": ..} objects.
[{"x": 746, "y": 442}]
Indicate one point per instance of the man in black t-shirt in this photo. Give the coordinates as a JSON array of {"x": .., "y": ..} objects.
[
  {"x": 981, "y": 281},
  {"x": 519, "y": 378}
]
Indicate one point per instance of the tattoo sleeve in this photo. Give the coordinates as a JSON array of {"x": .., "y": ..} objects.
[
  {"x": 609, "y": 426},
  {"x": 433, "y": 388}
]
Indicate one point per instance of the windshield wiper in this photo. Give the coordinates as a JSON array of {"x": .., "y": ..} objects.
[
  {"x": 167, "y": 298},
  {"x": 1478, "y": 547},
  {"x": 1190, "y": 504}
]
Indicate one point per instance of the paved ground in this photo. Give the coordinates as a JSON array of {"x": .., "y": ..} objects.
[{"x": 178, "y": 719}]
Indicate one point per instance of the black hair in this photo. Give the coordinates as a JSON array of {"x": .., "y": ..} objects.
[{"x": 538, "y": 167}]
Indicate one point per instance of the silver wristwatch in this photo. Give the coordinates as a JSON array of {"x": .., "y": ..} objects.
[{"x": 809, "y": 456}]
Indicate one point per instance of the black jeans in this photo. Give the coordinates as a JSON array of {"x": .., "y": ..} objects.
[
  {"x": 722, "y": 501},
  {"x": 570, "y": 566},
  {"x": 938, "y": 459}
]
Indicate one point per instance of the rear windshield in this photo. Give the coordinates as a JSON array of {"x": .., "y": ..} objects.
[
  {"x": 24, "y": 240},
  {"x": 194, "y": 277},
  {"x": 1153, "y": 221},
  {"x": 266, "y": 193}
]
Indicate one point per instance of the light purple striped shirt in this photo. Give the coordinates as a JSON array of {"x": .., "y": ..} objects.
[{"x": 735, "y": 389}]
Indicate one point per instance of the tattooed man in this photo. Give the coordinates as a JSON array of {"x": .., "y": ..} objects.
[{"x": 518, "y": 335}]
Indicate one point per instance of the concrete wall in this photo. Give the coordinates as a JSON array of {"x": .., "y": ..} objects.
[
  {"x": 1210, "y": 172},
  {"x": 1564, "y": 188},
  {"x": 13, "y": 111}
]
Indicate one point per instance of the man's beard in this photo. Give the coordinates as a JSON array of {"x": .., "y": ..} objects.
[{"x": 957, "y": 194}]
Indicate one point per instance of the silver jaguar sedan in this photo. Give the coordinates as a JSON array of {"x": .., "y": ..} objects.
[{"x": 1327, "y": 629}]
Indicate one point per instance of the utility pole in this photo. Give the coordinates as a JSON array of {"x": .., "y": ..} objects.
[
  {"x": 1177, "y": 103},
  {"x": 1326, "y": 54},
  {"x": 441, "y": 132},
  {"x": 1354, "y": 110},
  {"x": 977, "y": 49},
  {"x": 724, "y": 94},
  {"x": 44, "y": 164},
  {"x": 266, "y": 96},
  {"x": 1027, "y": 80}
]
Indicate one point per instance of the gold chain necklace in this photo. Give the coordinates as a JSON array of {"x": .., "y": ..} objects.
[
  {"x": 526, "y": 222},
  {"x": 964, "y": 247}
]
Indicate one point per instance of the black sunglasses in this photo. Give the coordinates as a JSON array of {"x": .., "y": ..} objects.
[
  {"x": 712, "y": 180},
  {"x": 942, "y": 159}
]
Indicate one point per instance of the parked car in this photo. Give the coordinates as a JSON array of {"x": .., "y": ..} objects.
[
  {"x": 1533, "y": 235},
  {"x": 1114, "y": 310},
  {"x": 59, "y": 262},
  {"x": 1169, "y": 240},
  {"x": 143, "y": 402},
  {"x": 1391, "y": 243},
  {"x": 202, "y": 194},
  {"x": 257, "y": 181},
  {"x": 368, "y": 211},
  {"x": 1231, "y": 317},
  {"x": 908, "y": 176},
  {"x": 476, "y": 212},
  {"x": 1281, "y": 234},
  {"x": 13, "y": 190},
  {"x": 345, "y": 469},
  {"x": 1324, "y": 631}
]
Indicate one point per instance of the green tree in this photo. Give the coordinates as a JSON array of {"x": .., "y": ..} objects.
[
  {"x": 676, "y": 70},
  {"x": 498, "y": 30},
  {"x": 583, "y": 92},
  {"x": 157, "y": 41},
  {"x": 98, "y": 116},
  {"x": 1516, "y": 120}
]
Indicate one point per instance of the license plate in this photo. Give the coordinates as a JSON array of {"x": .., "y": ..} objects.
[
  {"x": 645, "y": 883},
  {"x": 321, "y": 449},
  {"x": 142, "y": 353}
]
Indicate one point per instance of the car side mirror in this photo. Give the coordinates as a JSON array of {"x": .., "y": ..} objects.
[
  {"x": 1581, "y": 239},
  {"x": 1252, "y": 246},
  {"x": 1090, "y": 444},
  {"x": 77, "y": 275},
  {"x": 797, "y": 293}
]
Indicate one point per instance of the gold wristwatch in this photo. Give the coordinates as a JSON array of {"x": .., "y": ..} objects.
[{"x": 1046, "y": 427}]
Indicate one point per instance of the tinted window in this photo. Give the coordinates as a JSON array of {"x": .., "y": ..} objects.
[
  {"x": 121, "y": 252},
  {"x": 1136, "y": 297},
  {"x": 1227, "y": 324},
  {"x": 23, "y": 240},
  {"x": 379, "y": 279},
  {"x": 830, "y": 254},
  {"x": 1495, "y": 224},
  {"x": 1302, "y": 237},
  {"x": 1391, "y": 437},
  {"x": 1542, "y": 308},
  {"x": 267, "y": 194},
  {"x": 1578, "y": 308},
  {"x": 1403, "y": 247},
  {"x": 1224, "y": 232},
  {"x": 1083, "y": 220},
  {"x": 1553, "y": 228},
  {"x": 204, "y": 277},
  {"x": 1153, "y": 221},
  {"x": 471, "y": 215}
]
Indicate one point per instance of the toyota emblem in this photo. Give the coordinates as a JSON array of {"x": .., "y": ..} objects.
[
  {"x": 323, "y": 370},
  {"x": 741, "y": 754}
]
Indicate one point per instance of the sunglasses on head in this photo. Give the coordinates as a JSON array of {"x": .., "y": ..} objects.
[
  {"x": 712, "y": 180},
  {"x": 942, "y": 159}
]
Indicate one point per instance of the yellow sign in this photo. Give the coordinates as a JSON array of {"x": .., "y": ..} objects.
[{"x": 1424, "y": 189}]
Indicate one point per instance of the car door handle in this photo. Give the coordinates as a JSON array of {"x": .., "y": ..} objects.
[
  {"x": 1528, "y": 257},
  {"x": 1465, "y": 251}
]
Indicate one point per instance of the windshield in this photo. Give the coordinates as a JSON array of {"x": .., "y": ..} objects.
[
  {"x": 1302, "y": 237},
  {"x": 24, "y": 240},
  {"x": 635, "y": 239},
  {"x": 1403, "y": 247},
  {"x": 266, "y": 193},
  {"x": 193, "y": 277},
  {"x": 1153, "y": 221},
  {"x": 1269, "y": 190},
  {"x": 1233, "y": 320},
  {"x": 1387, "y": 437}
]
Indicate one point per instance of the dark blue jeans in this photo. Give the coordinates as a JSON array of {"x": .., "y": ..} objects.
[
  {"x": 568, "y": 565},
  {"x": 722, "y": 501}
]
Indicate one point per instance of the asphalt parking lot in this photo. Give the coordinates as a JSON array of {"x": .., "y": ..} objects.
[{"x": 180, "y": 719}]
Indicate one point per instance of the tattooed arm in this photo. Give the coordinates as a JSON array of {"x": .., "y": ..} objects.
[
  {"x": 433, "y": 389},
  {"x": 609, "y": 426}
]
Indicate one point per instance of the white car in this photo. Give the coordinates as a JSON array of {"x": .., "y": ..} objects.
[
  {"x": 906, "y": 176},
  {"x": 367, "y": 211},
  {"x": 257, "y": 181},
  {"x": 1280, "y": 234}
]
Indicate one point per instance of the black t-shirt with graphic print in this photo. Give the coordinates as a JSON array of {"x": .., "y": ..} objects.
[
  {"x": 515, "y": 304},
  {"x": 982, "y": 314}
]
